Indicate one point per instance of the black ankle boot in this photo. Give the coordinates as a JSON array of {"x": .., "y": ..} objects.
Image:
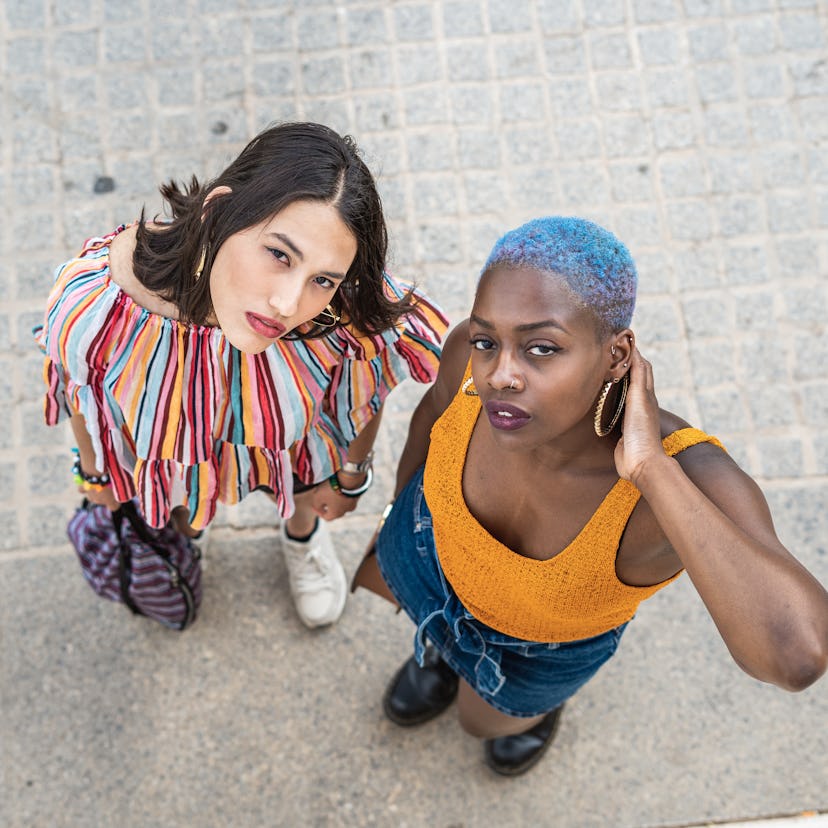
[
  {"x": 513, "y": 755},
  {"x": 417, "y": 694}
]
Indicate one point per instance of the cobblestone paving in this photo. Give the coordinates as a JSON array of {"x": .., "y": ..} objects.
[{"x": 696, "y": 129}]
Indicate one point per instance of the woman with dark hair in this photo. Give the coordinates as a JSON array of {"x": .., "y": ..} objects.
[
  {"x": 543, "y": 494},
  {"x": 247, "y": 342}
]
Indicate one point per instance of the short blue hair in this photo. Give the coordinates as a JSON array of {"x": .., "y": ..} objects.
[{"x": 595, "y": 265}]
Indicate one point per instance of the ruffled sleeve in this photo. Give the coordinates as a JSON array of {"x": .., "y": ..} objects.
[
  {"x": 178, "y": 416},
  {"x": 364, "y": 370}
]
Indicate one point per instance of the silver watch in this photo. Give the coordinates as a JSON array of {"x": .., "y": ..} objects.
[{"x": 349, "y": 467}]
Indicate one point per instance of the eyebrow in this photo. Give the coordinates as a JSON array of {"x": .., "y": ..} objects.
[
  {"x": 286, "y": 241},
  {"x": 528, "y": 326}
]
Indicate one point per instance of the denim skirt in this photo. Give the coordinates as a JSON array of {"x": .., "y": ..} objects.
[{"x": 516, "y": 677}]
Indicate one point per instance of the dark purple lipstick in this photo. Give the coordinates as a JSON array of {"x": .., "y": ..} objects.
[{"x": 506, "y": 417}]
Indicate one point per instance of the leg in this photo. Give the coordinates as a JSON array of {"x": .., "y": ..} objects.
[
  {"x": 317, "y": 579},
  {"x": 513, "y": 743},
  {"x": 480, "y": 719},
  {"x": 303, "y": 521}
]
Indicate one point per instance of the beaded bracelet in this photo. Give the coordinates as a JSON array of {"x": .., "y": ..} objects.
[
  {"x": 359, "y": 490},
  {"x": 88, "y": 482}
]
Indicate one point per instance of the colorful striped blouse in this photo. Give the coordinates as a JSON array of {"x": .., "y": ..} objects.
[{"x": 167, "y": 402}]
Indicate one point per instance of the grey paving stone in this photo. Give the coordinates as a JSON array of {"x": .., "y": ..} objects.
[
  {"x": 323, "y": 75},
  {"x": 463, "y": 19},
  {"x": 513, "y": 16},
  {"x": 517, "y": 58},
  {"x": 429, "y": 105},
  {"x": 659, "y": 47},
  {"x": 715, "y": 83},
  {"x": 365, "y": 26},
  {"x": 730, "y": 173},
  {"x": 762, "y": 360},
  {"x": 772, "y": 406},
  {"x": 674, "y": 130},
  {"x": 578, "y": 139},
  {"x": 565, "y": 55},
  {"x": 413, "y": 21},
  {"x": 814, "y": 404}
]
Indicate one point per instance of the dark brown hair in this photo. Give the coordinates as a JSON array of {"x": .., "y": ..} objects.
[{"x": 285, "y": 163}]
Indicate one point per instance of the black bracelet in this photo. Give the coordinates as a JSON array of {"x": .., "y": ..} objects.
[
  {"x": 359, "y": 490},
  {"x": 80, "y": 475}
]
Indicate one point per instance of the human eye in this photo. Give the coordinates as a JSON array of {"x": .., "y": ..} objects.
[
  {"x": 279, "y": 255},
  {"x": 542, "y": 349},
  {"x": 480, "y": 343},
  {"x": 324, "y": 281}
]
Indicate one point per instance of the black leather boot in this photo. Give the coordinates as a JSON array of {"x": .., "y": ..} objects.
[
  {"x": 417, "y": 694},
  {"x": 515, "y": 754}
]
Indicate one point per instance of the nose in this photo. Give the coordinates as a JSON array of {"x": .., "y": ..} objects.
[
  {"x": 285, "y": 297},
  {"x": 504, "y": 372}
]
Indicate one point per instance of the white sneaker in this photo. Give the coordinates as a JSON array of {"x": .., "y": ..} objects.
[{"x": 317, "y": 579}]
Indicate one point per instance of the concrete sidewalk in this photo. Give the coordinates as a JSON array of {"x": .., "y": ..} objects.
[
  {"x": 809, "y": 820},
  {"x": 696, "y": 129},
  {"x": 248, "y": 719}
]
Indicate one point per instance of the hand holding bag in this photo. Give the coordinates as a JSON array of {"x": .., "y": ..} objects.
[
  {"x": 155, "y": 572},
  {"x": 368, "y": 575}
]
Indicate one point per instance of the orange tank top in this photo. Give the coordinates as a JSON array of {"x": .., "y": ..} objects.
[{"x": 576, "y": 594}]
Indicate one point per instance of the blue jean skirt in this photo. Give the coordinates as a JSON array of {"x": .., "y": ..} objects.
[{"x": 516, "y": 677}]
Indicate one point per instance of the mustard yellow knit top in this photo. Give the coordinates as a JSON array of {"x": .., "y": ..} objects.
[{"x": 576, "y": 594}]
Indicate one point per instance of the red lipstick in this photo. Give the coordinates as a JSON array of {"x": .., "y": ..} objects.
[{"x": 265, "y": 326}]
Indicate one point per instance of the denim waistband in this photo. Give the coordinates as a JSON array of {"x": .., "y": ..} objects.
[{"x": 468, "y": 637}]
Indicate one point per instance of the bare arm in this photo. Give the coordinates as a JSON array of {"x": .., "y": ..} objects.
[
  {"x": 433, "y": 403},
  {"x": 330, "y": 504},
  {"x": 87, "y": 459},
  {"x": 771, "y": 612}
]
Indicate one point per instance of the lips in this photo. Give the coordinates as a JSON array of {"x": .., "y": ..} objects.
[
  {"x": 265, "y": 326},
  {"x": 506, "y": 417}
]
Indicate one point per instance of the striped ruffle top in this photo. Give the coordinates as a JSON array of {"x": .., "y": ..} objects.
[{"x": 167, "y": 402}]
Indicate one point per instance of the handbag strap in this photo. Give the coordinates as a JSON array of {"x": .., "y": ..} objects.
[
  {"x": 137, "y": 522},
  {"x": 124, "y": 558}
]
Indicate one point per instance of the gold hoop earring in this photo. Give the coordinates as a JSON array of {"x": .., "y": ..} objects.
[
  {"x": 201, "y": 262},
  {"x": 468, "y": 389},
  {"x": 330, "y": 319},
  {"x": 599, "y": 410}
]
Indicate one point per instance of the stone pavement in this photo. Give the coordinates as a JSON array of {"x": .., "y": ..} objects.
[{"x": 696, "y": 129}]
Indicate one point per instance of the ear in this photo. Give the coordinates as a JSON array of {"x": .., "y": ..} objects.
[
  {"x": 216, "y": 192},
  {"x": 620, "y": 346}
]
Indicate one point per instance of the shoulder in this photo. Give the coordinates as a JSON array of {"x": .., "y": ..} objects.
[
  {"x": 718, "y": 475},
  {"x": 453, "y": 362},
  {"x": 122, "y": 273},
  {"x": 700, "y": 454},
  {"x": 455, "y": 357},
  {"x": 671, "y": 422}
]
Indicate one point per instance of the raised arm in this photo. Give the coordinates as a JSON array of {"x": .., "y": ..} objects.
[
  {"x": 434, "y": 402},
  {"x": 771, "y": 612}
]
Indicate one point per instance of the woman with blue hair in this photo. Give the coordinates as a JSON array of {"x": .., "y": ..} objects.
[{"x": 542, "y": 494}]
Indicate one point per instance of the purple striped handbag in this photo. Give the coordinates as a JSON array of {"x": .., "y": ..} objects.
[{"x": 155, "y": 572}]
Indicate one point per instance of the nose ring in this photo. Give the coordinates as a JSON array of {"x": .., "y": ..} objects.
[{"x": 512, "y": 384}]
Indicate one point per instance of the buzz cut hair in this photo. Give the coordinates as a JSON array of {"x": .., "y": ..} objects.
[{"x": 593, "y": 263}]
